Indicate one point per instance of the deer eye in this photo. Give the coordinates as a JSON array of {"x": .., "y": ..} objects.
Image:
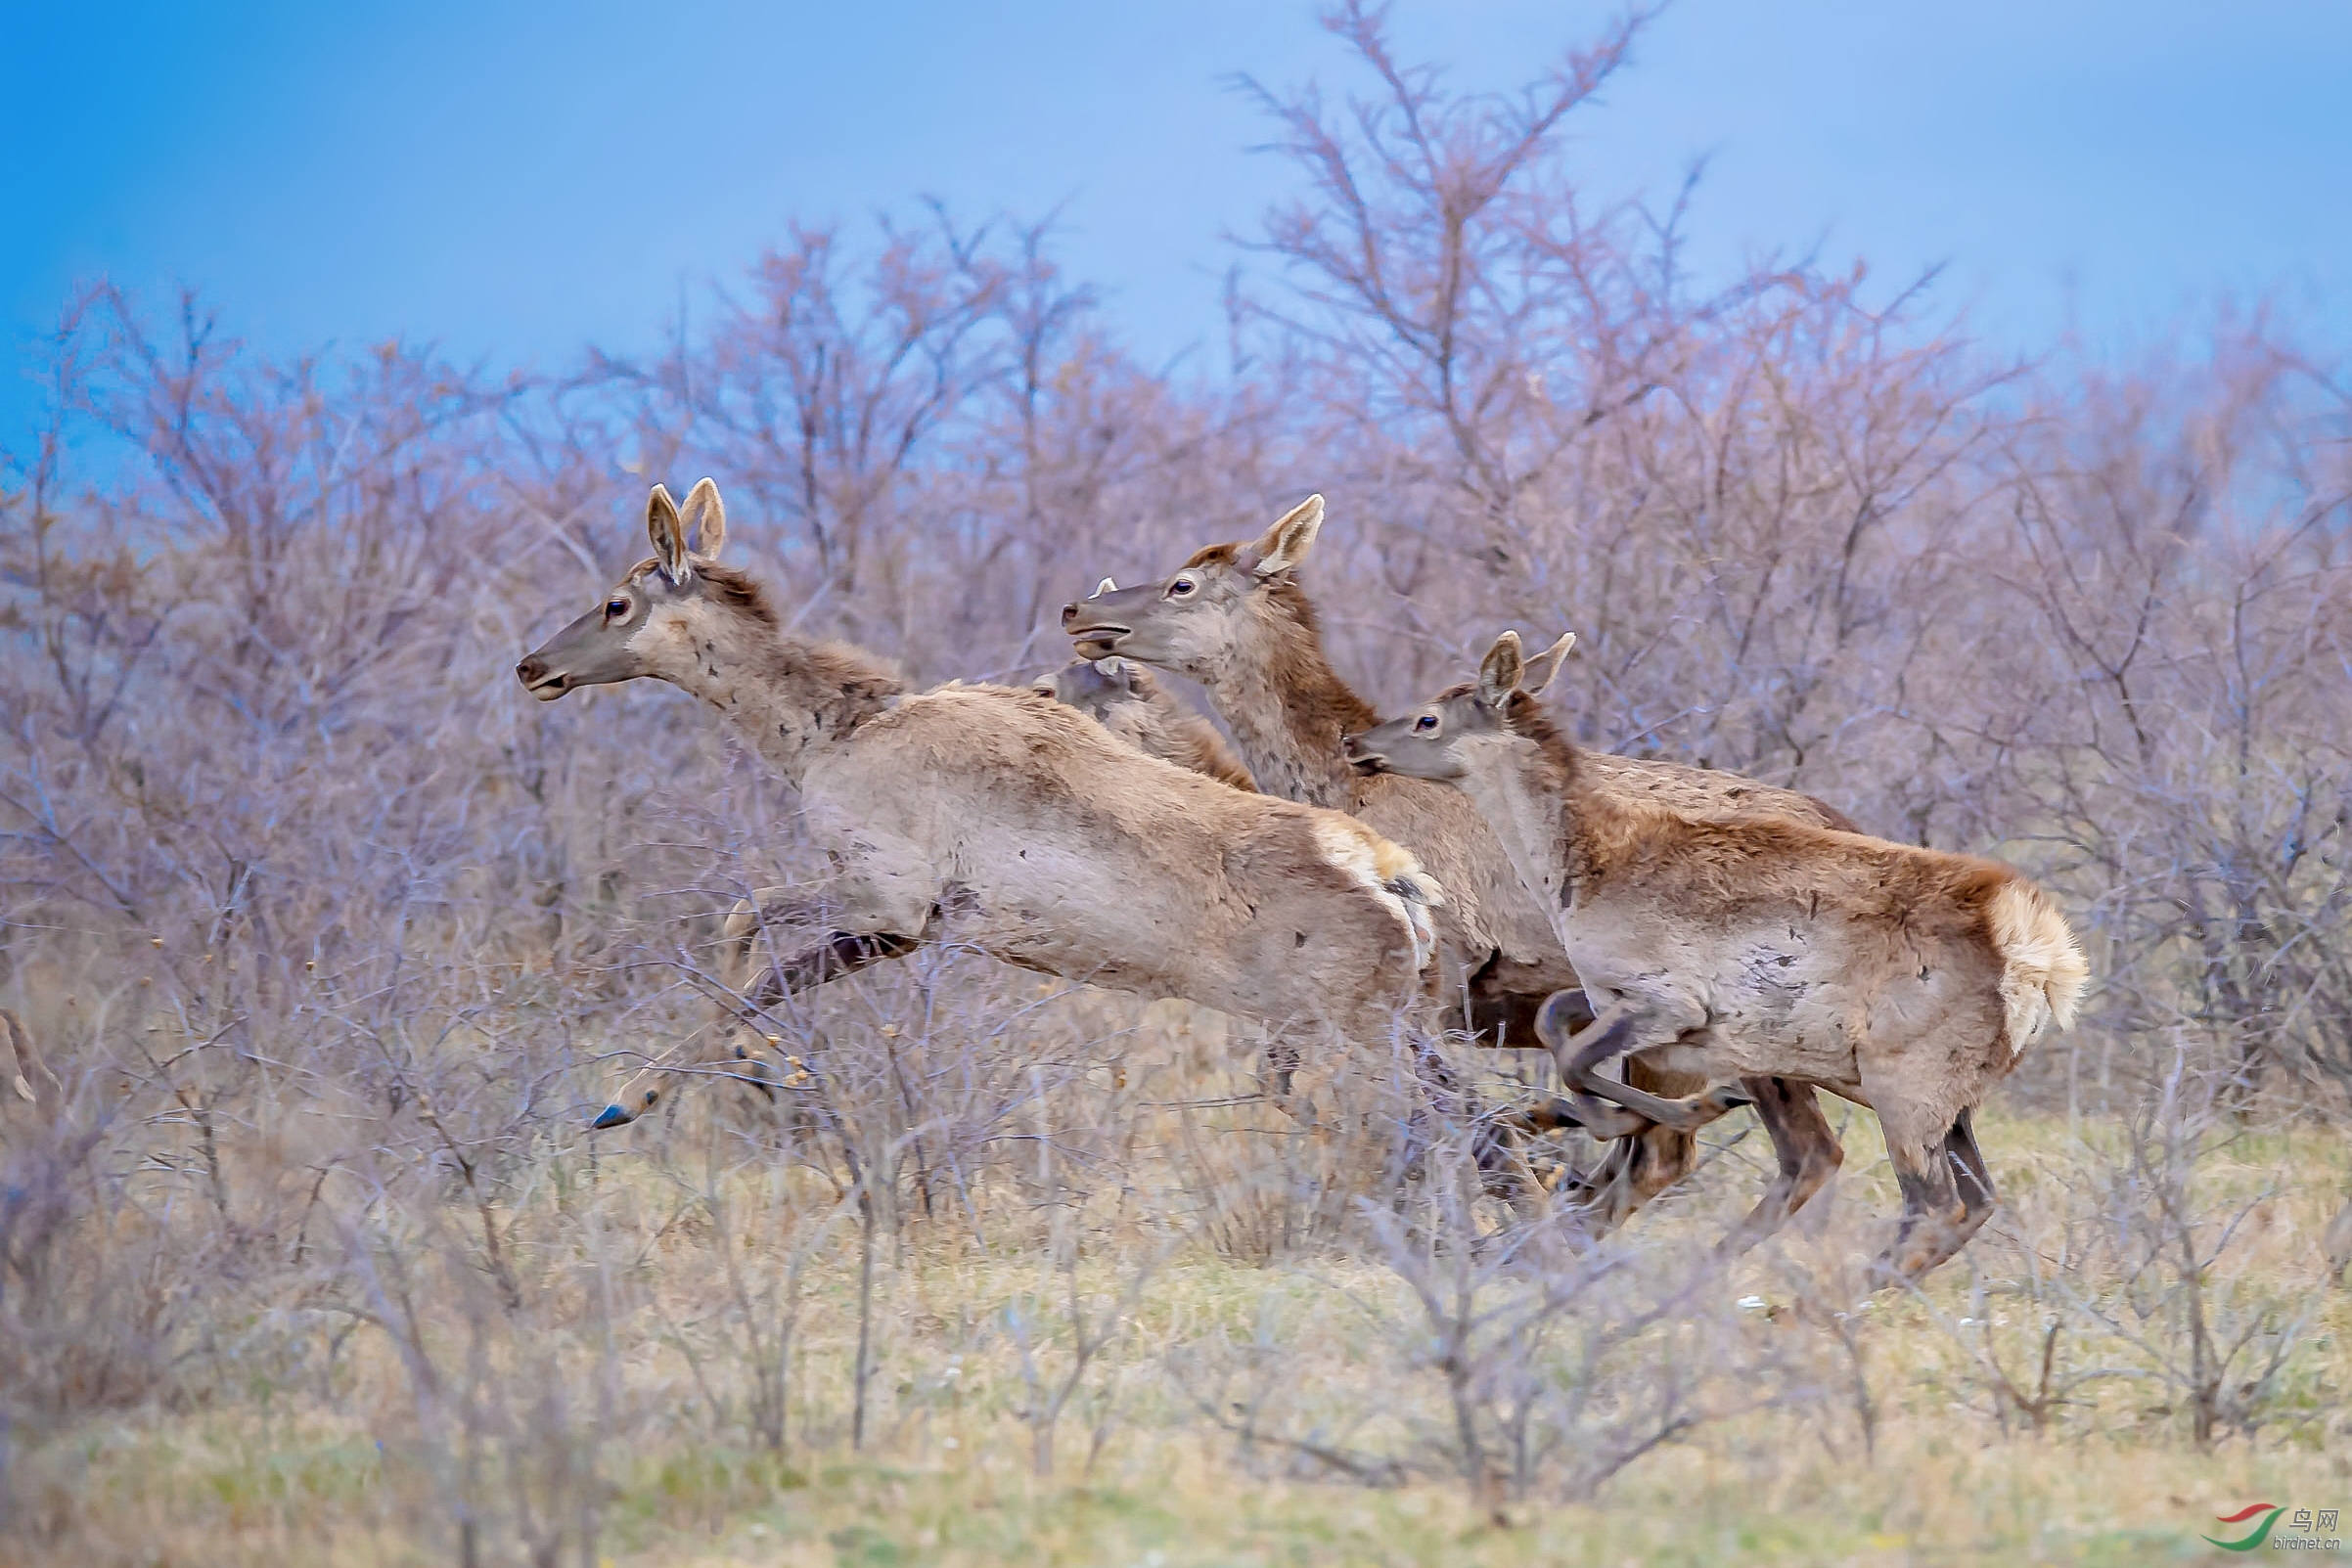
[
  {"x": 1426, "y": 724},
  {"x": 615, "y": 608},
  {"x": 1182, "y": 587}
]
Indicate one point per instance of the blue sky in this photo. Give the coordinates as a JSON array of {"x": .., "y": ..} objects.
[{"x": 512, "y": 180}]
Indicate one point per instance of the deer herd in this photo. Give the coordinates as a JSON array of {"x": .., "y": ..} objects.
[{"x": 1461, "y": 868}]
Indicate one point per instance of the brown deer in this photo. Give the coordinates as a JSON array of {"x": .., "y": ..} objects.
[
  {"x": 1235, "y": 618},
  {"x": 1128, "y": 700},
  {"x": 1905, "y": 980},
  {"x": 1120, "y": 695},
  {"x": 1000, "y": 821}
]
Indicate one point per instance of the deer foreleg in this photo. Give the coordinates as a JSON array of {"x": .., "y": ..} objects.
[
  {"x": 757, "y": 987},
  {"x": 840, "y": 952},
  {"x": 711, "y": 1056}
]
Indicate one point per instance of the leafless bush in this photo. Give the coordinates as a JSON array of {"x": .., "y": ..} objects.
[
  {"x": 1521, "y": 1359},
  {"x": 333, "y": 942},
  {"x": 2215, "y": 1333},
  {"x": 2136, "y": 1268}
]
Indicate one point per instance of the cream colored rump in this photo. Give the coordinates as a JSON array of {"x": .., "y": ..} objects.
[
  {"x": 1388, "y": 873},
  {"x": 2043, "y": 970}
]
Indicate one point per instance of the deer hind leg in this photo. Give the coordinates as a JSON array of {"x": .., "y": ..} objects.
[
  {"x": 1947, "y": 1195},
  {"x": 1639, "y": 1168},
  {"x": 1809, "y": 1155},
  {"x": 1283, "y": 1059},
  {"x": 1619, "y": 1031},
  {"x": 1502, "y": 1171}
]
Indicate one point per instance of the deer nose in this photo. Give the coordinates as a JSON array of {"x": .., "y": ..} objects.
[
  {"x": 1069, "y": 612},
  {"x": 531, "y": 671}
]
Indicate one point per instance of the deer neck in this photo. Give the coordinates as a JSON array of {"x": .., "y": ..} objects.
[
  {"x": 1548, "y": 819},
  {"x": 1288, "y": 710},
  {"x": 791, "y": 700}
]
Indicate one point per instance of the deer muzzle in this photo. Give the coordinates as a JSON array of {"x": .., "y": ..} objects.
[
  {"x": 539, "y": 681},
  {"x": 1106, "y": 623},
  {"x": 1360, "y": 756}
]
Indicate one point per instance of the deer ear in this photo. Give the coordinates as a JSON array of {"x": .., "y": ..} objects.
[
  {"x": 668, "y": 534},
  {"x": 1293, "y": 535},
  {"x": 1545, "y": 666},
  {"x": 1500, "y": 671},
  {"x": 704, "y": 517}
]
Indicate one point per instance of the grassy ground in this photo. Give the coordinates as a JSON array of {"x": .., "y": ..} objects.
[
  {"x": 607, "y": 1417},
  {"x": 211, "y": 1492}
]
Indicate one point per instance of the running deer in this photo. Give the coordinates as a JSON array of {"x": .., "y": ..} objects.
[
  {"x": 1235, "y": 618},
  {"x": 1128, "y": 700},
  {"x": 1905, "y": 980},
  {"x": 1120, "y": 695},
  {"x": 1001, "y": 821}
]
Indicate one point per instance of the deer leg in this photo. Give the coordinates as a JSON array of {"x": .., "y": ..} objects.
[
  {"x": 1281, "y": 1064},
  {"x": 840, "y": 952},
  {"x": 1809, "y": 1155},
  {"x": 1947, "y": 1195},
  {"x": 1501, "y": 1010},
  {"x": 1635, "y": 1169},
  {"x": 1501, "y": 1171},
  {"x": 1638, "y": 1166},
  {"x": 1978, "y": 1198},
  {"x": 1495, "y": 1005},
  {"x": 836, "y": 954},
  {"x": 1617, "y": 1032},
  {"x": 716, "y": 1057}
]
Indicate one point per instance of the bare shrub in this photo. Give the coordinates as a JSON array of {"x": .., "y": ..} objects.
[
  {"x": 1520, "y": 1360},
  {"x": 331, "y": 945}
]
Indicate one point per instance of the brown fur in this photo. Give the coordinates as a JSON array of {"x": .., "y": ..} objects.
[
  {"x": 1127, "y": 699},
  {"x": 1738, "y": 946},
  {"x": 1252, "y": 637},
  {"x": 1003, "y": 821}
]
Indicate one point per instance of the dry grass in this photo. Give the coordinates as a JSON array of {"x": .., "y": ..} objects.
[
  {"x": 411, "y": 1414},
  {"x": 334, "y": 941}
]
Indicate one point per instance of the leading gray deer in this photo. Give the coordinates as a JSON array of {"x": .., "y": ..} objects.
[{"x": 995, "y": 819}]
